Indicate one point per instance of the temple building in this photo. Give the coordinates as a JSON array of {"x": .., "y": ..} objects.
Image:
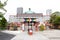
[{"x": 30, "y": 19}]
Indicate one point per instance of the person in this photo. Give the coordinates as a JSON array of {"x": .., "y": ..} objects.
[{"x": 22, "y": 27}]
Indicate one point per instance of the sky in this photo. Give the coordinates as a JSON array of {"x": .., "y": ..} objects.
[{"x": 38, "y": 6}]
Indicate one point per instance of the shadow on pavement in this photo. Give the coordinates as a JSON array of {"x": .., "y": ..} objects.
[{"x": 6, "y": 36}]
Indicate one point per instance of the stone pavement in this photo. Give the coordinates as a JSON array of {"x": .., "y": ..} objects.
[
  {"x": 51, "y": 34},
  {"x": 40, "y": 35},
  {"x": 24, "y": 35}
]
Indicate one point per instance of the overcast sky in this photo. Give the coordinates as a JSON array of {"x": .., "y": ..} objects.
[{"x": 38, "y": 6}]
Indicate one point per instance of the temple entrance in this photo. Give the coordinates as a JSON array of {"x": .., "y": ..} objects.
[{"x": 30, "y": 24}]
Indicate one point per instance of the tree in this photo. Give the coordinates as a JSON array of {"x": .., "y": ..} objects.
[
  {"x": 55, "y": 19},
  {"x": 3, "y": 5},
  {"x": 3, "y": 21}
]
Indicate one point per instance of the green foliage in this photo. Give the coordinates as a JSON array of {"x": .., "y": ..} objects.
[
  {"x": 2, "y": 5},
  {"x": 42, "y": 27},
  {"x": 3, "y": 21},
  {"x": 55, "y": 19}
]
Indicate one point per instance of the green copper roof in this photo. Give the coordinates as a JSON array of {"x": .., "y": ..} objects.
[{"x": 29, "y": 12}]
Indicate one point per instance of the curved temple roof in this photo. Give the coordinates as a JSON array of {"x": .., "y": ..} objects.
[{"x": 29, "y": 12}]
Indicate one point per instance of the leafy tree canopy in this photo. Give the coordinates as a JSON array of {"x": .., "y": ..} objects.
[
  {"x": 55, "y": 18},
  {"x": 3, "y": 21},
  {"x": 2, "y": 5}
]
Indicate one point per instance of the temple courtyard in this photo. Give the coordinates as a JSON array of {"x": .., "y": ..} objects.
[{"x": 39, "y": 35}]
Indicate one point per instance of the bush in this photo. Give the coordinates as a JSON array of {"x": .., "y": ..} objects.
[{"x": 42, "y": 27}]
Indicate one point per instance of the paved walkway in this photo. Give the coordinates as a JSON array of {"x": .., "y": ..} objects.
[
  {"x": 51, "y": 34},
  {"x": 24, "y": 35},
  {"x": 41, "y": 35}
]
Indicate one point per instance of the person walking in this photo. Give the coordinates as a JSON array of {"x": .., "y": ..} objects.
[{"x": 22, "y": 27}]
